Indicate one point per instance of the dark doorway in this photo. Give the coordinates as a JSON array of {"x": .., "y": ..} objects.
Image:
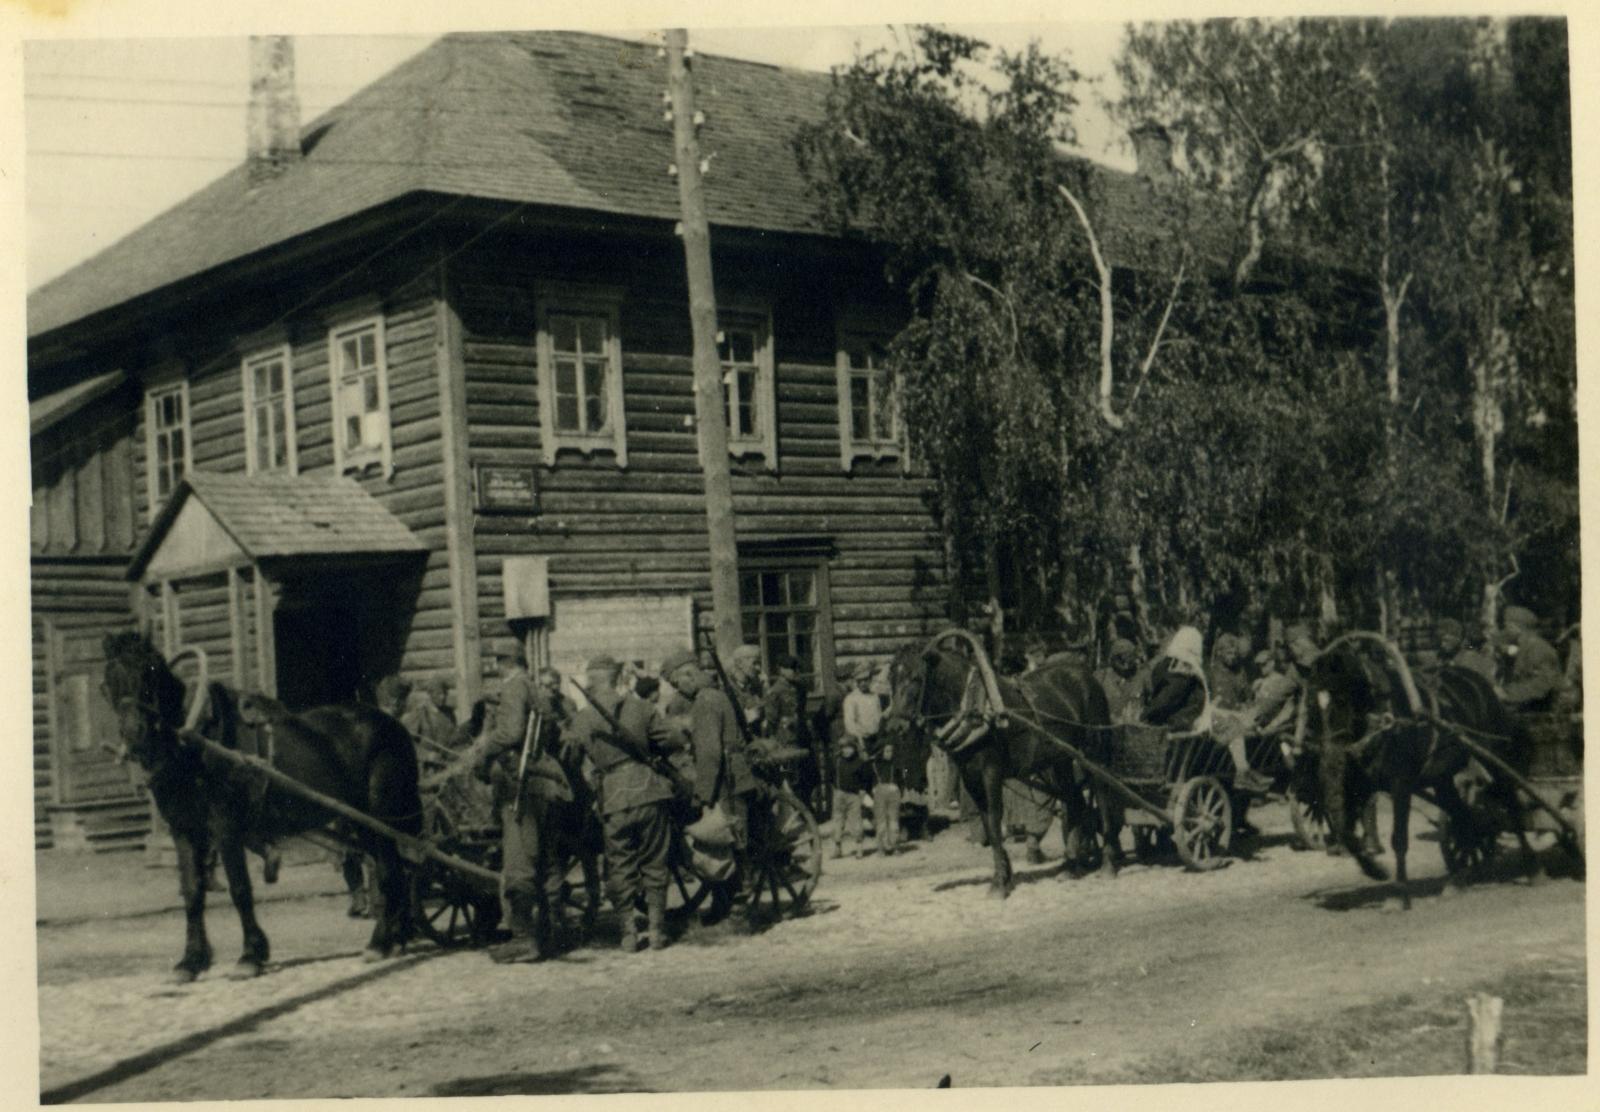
[{"x": 319, "y": 655}]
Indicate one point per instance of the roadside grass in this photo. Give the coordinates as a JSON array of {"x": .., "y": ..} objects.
[{"x": 1412, "y": 1034}]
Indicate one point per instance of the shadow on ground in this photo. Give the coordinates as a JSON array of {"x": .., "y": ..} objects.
[{"x": 580, "y": 1079}]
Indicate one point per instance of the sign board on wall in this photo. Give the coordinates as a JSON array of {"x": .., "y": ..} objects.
[
  {"x": 503, "y": 489},
  {"x": 627, "y": 627}
]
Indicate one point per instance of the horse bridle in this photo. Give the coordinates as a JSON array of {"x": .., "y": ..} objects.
[{"x": 197, "y": 699}]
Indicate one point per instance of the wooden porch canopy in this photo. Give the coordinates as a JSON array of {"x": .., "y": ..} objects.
[{"x": 225, "y": 546}]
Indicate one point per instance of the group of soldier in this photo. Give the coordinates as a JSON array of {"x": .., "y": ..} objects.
[
  {"x": 646, "y": 751},
  {"x": 643, "y": 752}
]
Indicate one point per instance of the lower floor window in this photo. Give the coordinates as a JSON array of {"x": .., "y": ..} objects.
[{"x": 780, "y": 609}]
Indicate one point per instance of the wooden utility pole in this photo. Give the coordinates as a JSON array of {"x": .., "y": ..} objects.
[{"x": 711, "y": 419}]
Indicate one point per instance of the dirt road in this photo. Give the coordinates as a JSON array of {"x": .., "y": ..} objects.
[{"x": 904, "y": 971}]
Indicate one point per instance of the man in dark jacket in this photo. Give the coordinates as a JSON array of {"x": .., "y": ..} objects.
[
  {"x": 634, "y": 798},
  {"x": 1534, "y": 675},
  {"x": 853, "y": 779}
]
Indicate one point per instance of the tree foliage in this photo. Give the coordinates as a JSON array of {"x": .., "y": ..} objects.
[{"x": 1366, "y": 249}]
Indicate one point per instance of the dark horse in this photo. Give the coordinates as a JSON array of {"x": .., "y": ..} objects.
[
  {"x": 1379, "y": 731},
  {"x": 943, "y": 693},
  {"x": 354, "y": 754}
]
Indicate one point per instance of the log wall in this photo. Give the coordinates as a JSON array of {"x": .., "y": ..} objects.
[{"x": 642, "y": 529}]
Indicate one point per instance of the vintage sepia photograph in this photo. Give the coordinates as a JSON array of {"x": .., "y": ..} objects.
[{"x": 890, "y": 557}]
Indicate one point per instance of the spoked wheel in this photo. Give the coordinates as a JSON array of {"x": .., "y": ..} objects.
[
  {"x": 1202, "y": 820},
  {"x": 788, "y": 863},
  {"x": 451, "y": 912},
  {"x": 1310, "y": 825},
  {"x": 687, "y": 889}
]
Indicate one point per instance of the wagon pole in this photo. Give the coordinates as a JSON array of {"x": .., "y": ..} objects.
[
  {"x": 1483, "y": 754},
  {"x": 412, "y": 848}
]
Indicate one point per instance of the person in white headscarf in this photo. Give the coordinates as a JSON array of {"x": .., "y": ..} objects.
[{"x": 1175, "y": 695}]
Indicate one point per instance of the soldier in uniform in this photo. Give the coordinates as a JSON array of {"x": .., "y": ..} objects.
[
  {"x": 722, "y": 774},
  {"x": 1534, "y": 675},
  {"x": 634, "y": 798},
  {"x": 425, "y": 717},
  {"x": 528, "y": 880}
]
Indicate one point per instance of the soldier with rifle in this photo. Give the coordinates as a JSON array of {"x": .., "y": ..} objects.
[
  {"x": 517, "y": 762},
  {"x": 722, "y": 774},
  {"x": 625, "y": 740}
]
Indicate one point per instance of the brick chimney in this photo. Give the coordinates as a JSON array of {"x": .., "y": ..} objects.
[
  {"x": 1152, "y": 151},
  {"x": 273, "y": 126}
]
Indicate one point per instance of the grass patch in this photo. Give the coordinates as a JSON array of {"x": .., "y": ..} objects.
[{"x": 1412, "y": 1034}]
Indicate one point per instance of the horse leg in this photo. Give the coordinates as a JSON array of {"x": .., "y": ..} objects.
[
  {"x": 392, "y": 928},
  {"x": 1457, "y": 812},
  {"x": 353, "y": 865},
  {"x": 1343, "y": 809},
  {"x": 1110, "y": 833},
  {"x": 1400, "y": 841},
  {"x": 192, "y": 851},
  {"x": 256, "y": 948},
  {"x": 994, "y": 804}
]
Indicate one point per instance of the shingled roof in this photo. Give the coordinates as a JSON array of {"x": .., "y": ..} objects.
[
  {"x": 276, "y": 516},
  {"x": 549, "y": 118}
]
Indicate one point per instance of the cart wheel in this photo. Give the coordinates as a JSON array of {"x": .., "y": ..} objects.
[
  {"x": 1466, "y": 851},
  {"x": 450, "y": 912},
  {"x": 1310, "y": 827},
  {"x": 686, "y": 889},
  {"x": 787, "y": 866},
  {"x": 1202, "y": 821}
]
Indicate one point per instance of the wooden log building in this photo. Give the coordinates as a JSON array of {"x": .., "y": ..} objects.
[{"x": 427, "y": 359}]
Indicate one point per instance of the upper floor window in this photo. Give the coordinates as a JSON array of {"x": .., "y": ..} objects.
[
  {"x": 869, "y": 405},
  {"x": 360, "y": 397},
  {"x": 744, "y": 345},
  {"x": 580, "y": 373},
  {"x": 166, "y": 440},
  {"x": 269, "y": 412}
]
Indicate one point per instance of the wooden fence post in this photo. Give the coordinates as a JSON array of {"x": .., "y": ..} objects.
[{"x": 1483, "y": 1041}]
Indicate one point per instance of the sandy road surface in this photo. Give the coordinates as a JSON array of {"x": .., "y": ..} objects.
[{"x": 906, "y": 970}]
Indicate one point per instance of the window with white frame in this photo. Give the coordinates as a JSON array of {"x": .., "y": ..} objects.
[
  {"x": 360, "y": 397},
  {"x": 269, "y": 412},
  {"x": 580, "y": 373},
  {"x": 744, "y": 345},
  {"x": 166, "y": 440},
  {"x": 869, "y": 406}
]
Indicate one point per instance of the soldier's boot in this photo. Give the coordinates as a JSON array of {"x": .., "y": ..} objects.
[
  {"x": 523, "y": 945},
  {"x": 630, "y": 930},
  {"x": 656, "y": 907}
]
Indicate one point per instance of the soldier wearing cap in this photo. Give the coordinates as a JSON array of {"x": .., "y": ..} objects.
[
  {"x": 634, "y": 797},
  {"x": 529, "y": 881},
  {"x": 722, "y": 774},
  {"x": 1534, "y": 675}
]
